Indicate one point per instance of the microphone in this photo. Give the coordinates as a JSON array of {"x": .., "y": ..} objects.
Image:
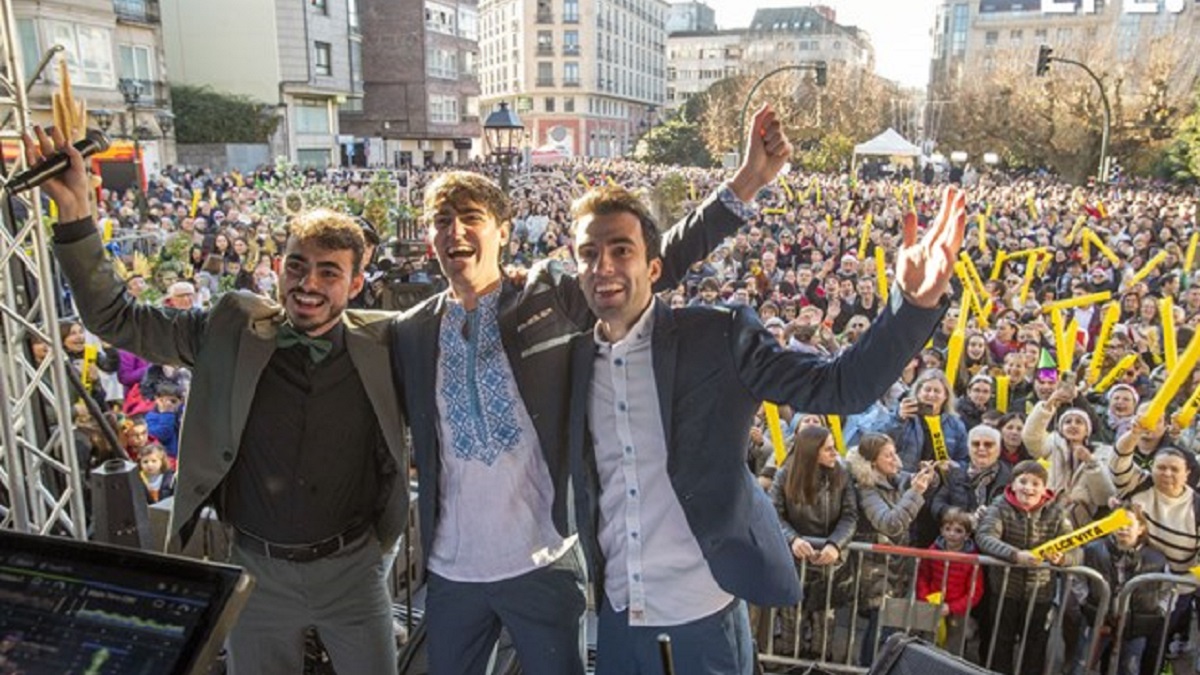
[{"x": 55, "y": 164}]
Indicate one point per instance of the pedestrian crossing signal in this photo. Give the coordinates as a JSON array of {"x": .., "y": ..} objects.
[{"x": 1043, "y": 60}]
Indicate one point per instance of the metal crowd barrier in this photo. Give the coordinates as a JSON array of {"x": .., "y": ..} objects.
[
  {"x": 835, "y": 644},
  {"x": 1170, "y": 589}
]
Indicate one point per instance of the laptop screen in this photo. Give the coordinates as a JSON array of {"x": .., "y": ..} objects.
[{"x": 76, "y": 607}]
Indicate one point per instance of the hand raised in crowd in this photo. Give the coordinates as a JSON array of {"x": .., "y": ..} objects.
[
  {"x": 908, "y": 408},
  {"x": 924, "y": 268},
  {"x": 69, "y": 190},
  {"x": 767, "y": 150},
  {"x": 922, "y": 479}
]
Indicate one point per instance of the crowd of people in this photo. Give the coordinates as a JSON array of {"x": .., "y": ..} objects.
[{"x": 999, "y": 422}]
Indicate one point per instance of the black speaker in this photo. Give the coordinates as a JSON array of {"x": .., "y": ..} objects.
[
  {"x": 119, "y": 505},
  {"x": 908, "y": 655}
]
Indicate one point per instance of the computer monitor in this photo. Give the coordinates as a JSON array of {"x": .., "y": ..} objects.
[{"x": 93, "y": 609}]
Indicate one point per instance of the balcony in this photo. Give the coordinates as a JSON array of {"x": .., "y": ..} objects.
[
  {"x": 571, "y": 83},
  {"x": 545, "y": 17},
  {"x": 545, "y": 50},
  {"x": 570, "y": 50},
  {"x": 137, "y": 11},
  {"x": 545, "y": 82}
]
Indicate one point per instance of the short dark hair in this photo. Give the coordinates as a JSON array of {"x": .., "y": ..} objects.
[
  {"x": 460, "y": 187},
  {"x": 330, "y": 230},
  {"x": 608, "y": 200}
]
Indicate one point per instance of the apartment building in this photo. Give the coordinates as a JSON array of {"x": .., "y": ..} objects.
[{"x": 585, "y": 76}]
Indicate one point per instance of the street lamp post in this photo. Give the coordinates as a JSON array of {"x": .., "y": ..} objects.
[
  {"x": 131, "y": 90},
  {"x": 1045, "y": 57},
  {"x": 504, "y": 132},
  {"x": 819, "y": 67}
]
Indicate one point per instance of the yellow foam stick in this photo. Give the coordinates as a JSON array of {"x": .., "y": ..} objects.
[
  {"x": 692, "y": 189},
  {"x": 1096, "y": 241},
  {"x": 1030, "y": 265},
  {"x": 195, "y": 202},
  {"x": 1145, "y": 271},
  {"x": 937, "y": 438},
  {"x": 774, "y": 211},
  {"x": 1067, "y": 349},
  {"x": 1101, "y": 208},
  {"x": 1086, "y": 534},
  {"x": 610, "y": 180},
  {"x": 1175, "y": 379},
  {"x": 1033, "y": 212},
  {"x": 912, "y": 198},
  {"x": 1058, "y": 324},
  {"x": 982, "y": 232},
  {"x": 583, "y": 181},
  {"x": 776, "y": 431},
  {"x": 1185, "y": 415},
  {"x": 90, "y": 354},
  {"x": 1081, "y": 301},
  {"x": 817, "y": 183},
  {"x": 1002, "y": 393},
  {"x": 1075, "y": 228},
  {"x": 985, "y": 312},
  {"x": 1166, "y": 310},
  {"x": 54, "y": 211},
  {"x": 881, "y": 273},
  {"x": 108, "y": 230},
  {"x": 846, "y": 209},
  {"x": 998, "y": 266},
  {"x": 864, "y": 236},
  {"x": 1110, "y": 378},
  {"x": 973, "y": 272},
  {"x": 1087, "y": 250},
  {"x": 1191, "y": 252},
  {"x": 829, "y": 221},
  {"x": 955, "y": 349},
  {"x": 1195, "y": 570},
  {"x": 787, "y": 189},
  {"x": 1112, "y": 314},
  {"x": 835, "y": 428}
]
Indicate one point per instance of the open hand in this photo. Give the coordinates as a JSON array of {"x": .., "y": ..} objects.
[{"x": 924, "y": 268}]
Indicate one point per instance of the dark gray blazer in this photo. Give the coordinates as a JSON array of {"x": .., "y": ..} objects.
[
  {"x": 537, "y": 323},
  {"x": 713, "y": 367}
]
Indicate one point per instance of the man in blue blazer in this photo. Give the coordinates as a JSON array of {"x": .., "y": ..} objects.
[
  {"x": 678, "y": 534},
  {"x": 484, "y": 373}
]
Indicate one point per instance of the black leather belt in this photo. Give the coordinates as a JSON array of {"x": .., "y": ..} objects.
[{"x": 301, "y": 552}]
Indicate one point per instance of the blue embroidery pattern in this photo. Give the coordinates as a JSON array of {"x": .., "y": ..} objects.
[{"x": 480, "y": 405}]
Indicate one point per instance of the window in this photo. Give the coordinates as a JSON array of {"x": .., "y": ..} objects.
[
  {"x": 545, "y": 74},
  {"x": 356, "y": 76},
  {"x": 323, "y": 62},
  {"x": 569, "y": 104},
  {"x": 549, "y": 104},
  {"x": 571, "y": 74},
  {"x": 571, "y": 42},
  {"x": 991, "y": 37},
  {"x": 320, "y": 6},
  {"x": 443, "y": 109},
  {"x": 545, "y": 43},
  {"x": 352, "y": 105},
  {"x": 312, "y": 158},
  {"x": 312, "y": 116},
  {"x": 352, "y": 12},
  {"x": 570, "y": 11},
  {"x": 440, "y": 18},
  {"x": 88, "y": 50},
  {"x": 135, "y": 64},
  {"x": 468, "y": 23},
  {"x": 441, "y": 63},
  {"x": 30, "y": 52},
  {"x": 1016, "y": 36}
]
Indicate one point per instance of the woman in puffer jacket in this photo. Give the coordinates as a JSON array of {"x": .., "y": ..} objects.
[
  {"x": 1078, "y": 468},
  {"x": 818, "y": 511},
  {"x": 889, "y": 500},
  {"x": 930, "y": 396}
]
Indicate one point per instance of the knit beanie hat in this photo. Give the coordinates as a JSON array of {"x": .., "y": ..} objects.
[
  {"x": 1071, "y": 412},
  {"x": 1133, "y": 392}
]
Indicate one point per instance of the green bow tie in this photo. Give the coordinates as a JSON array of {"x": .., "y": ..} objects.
[{"x": 318, "y": 348}]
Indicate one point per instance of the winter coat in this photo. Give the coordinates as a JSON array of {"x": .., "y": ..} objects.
[
  {"x": 971, "y": 492},
  {"x": 961, "y": 592},
  {"x": 1006, "y": 529},
  {"x": 1148, "y": 605},
  {"x": 1086, "y": 486},
  {"x": 887, "y": 508},
  {"x": 909, "y": 436},
  {"x": 832, "y": 519}
]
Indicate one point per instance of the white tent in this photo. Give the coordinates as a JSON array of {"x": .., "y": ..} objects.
[{"x": 888, "y": 144}]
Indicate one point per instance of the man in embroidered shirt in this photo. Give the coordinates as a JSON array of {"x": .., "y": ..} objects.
[
  {"x": 677, "y": 532},
  {"x": 484, "y": 370}
]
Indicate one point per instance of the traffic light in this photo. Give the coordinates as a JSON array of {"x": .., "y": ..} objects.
[
  {"x": 1043, "y": 61},
  {"x": 822, "y": 73}
]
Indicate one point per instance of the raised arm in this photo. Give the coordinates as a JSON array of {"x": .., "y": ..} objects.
[
  {"x": 158, "y": 335},
  {"x": 723, "y": 212}
]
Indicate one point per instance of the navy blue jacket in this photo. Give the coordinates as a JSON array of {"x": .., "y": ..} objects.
[{"x": 713, "y": 368}]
